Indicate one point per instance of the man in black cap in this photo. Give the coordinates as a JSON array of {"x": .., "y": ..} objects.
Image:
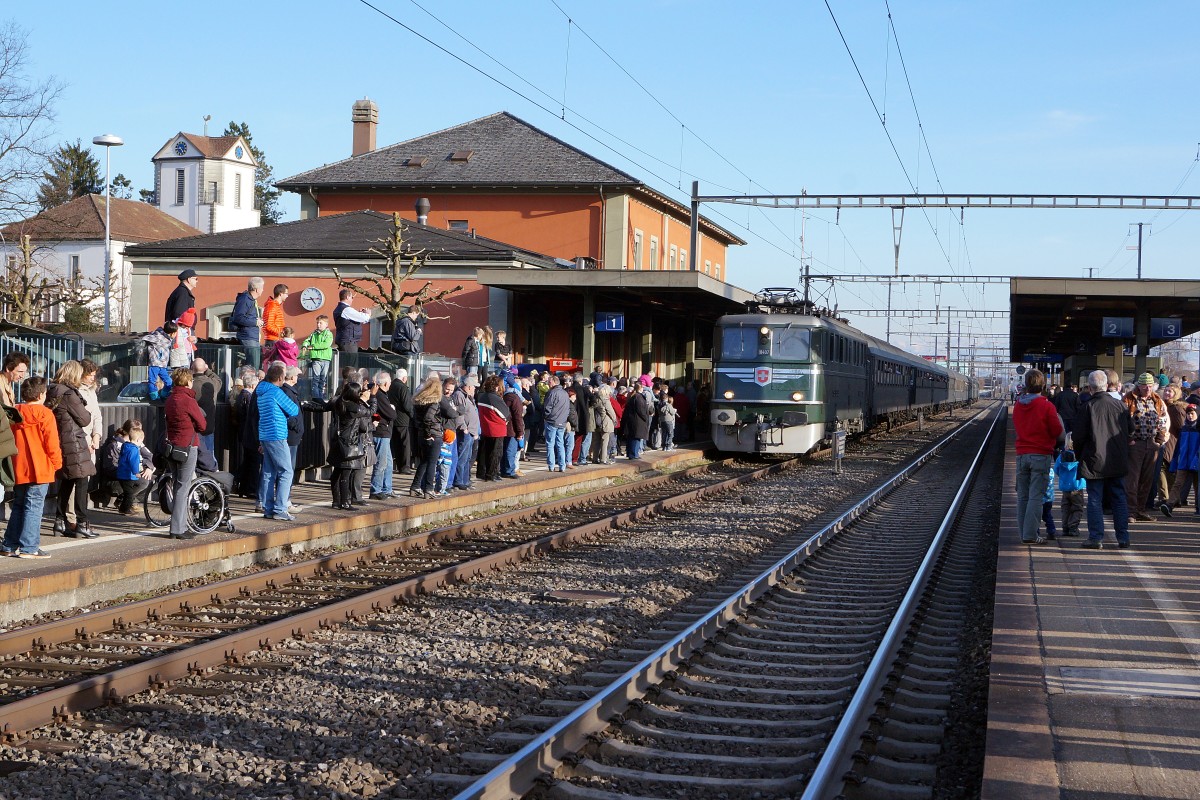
[{"x": 182, "y": 298}]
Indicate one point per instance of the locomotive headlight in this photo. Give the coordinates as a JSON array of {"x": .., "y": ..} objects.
[
  {"x": 797, "y": 396},
  {"x": 764, "y": 330},
  {"x": 728, "y": 394}
]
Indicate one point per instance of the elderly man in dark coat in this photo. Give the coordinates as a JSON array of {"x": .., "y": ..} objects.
[{"x": 1101, "y": 438}]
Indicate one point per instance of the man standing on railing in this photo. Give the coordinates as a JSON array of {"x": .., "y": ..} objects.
[
  {"x": 182, "y": 298},
  {"x": 406, "y": 339},
  {"x": 246, "y": 321},
  {"x": 348, "y": 322}
]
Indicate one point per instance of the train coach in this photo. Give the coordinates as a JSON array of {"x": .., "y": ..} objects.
[{"x": 787, "y": 375}]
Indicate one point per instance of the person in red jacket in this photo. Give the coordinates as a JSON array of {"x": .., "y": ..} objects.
[
  {"x": 38, "y": 457},
  {"x": 185, "y": 423},
  {"x": 1039, "y": 432}
]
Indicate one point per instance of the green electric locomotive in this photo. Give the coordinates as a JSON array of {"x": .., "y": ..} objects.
[{"x": 787, "y": 375}]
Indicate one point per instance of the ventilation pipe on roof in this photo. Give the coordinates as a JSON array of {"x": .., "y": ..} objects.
[{"x": 423, "y": 210}]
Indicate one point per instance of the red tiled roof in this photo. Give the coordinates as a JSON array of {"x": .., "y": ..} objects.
[
  {"x": 82, "y": 219},
  {"x": 212, "y": 146}
]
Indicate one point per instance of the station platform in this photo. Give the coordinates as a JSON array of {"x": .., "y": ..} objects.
[
  {"x": 1095, "y": 669},
  {"x": 130, "y": 557}
]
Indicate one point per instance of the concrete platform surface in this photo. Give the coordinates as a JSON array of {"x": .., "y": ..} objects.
[
  {"x": 1095, "y": 673},
  {"x": 131, "y": 557}
]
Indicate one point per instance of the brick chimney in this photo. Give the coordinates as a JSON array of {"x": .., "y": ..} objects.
[{"x": 366, "y": 119}]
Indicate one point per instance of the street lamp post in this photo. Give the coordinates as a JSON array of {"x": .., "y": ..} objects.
[{"x": 108, "y": 142}]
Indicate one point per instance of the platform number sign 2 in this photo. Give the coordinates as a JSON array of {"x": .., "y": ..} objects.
[{"x": 1117, "y": 328}]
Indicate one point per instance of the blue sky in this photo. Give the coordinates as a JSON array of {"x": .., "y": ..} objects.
[{"x": 1016, "y": 97}]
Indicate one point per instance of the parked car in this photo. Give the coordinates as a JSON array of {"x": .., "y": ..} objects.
[{"x": 138, "y": 392}]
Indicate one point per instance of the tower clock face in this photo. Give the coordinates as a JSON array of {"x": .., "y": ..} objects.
[
  {"x": 237, "y": 151},
  {"x": 180, "y": 148},
  {"x": 312, "y": 298}
]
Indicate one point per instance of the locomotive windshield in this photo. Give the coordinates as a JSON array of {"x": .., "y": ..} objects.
[{"x": 741, "y": 344}]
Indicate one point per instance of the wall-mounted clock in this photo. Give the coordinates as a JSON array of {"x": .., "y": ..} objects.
[
  {"x": 238, "y": 151},
  {"x": 180, "y": 147},
  {"x": 312, "y": 298}
]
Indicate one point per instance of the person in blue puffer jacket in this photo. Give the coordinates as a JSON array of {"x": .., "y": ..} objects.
[
  {"x": 274, "y": 408},
  {"x": 1071, "y": 485},
  {"x": 1048, "y": 506},
  {"x": 1185, "y": 464}
]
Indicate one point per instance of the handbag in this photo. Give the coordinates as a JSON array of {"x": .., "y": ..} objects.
[
  {"x": 349, "y": 451},
  {"x": 178, "y": 455}
]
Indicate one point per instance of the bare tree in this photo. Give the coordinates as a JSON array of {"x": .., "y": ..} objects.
[
  {"x": 384, "y": 284},
  {"x": 29, "y": 285},
  {"x": 26, "y": 118}
]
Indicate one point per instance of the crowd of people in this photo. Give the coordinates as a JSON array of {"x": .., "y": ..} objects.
[
  {"x": 447, "y": 433},
  {"x": 1128, "y": 449}
]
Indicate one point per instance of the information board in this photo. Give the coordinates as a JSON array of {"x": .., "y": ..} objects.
[
  {"x": 610, "y": 321},
  {"x": 1117, "y": 327},
  {"x": 1166, "y": 327}
]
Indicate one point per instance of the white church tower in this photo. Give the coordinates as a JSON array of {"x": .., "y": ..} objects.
[{"x": 207, "y": 182}]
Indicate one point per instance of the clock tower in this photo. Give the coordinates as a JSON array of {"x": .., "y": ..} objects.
[{"x": 207, "y": 182}]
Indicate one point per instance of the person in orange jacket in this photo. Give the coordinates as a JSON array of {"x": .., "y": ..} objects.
[
  {"x": 273, "y": 320},
  {"x": 39, "y": 456}
]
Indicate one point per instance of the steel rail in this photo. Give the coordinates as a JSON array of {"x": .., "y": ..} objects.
[
  {"x": 828, "y": 776},
  {"x": 60, "y": 703},
  {"x": 517, "y": 775},
  {"x": 69, "y": 629}
]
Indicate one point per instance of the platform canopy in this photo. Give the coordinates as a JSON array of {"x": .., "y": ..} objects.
[
  {"x": 1076, "y": 316},
  {"x": 684, "y": 292}
]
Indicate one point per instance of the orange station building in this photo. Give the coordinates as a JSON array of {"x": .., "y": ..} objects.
[{"x": 503, "y": 180}]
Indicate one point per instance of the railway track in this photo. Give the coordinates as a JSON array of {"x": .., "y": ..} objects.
[
  {"x": 52, "y": 671},
  {"x": 825, "y": 674}
]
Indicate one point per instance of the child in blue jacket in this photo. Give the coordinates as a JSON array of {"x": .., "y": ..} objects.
[
  {"x": 1071, "y": 486},
  {"x": 1185, "y": 464}
]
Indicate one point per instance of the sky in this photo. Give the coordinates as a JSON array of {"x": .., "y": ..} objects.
[{"x": 863, "y": 97}]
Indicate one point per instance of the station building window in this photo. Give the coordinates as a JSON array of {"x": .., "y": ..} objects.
[
  {"x": 674, "y": 257},
  {"x": 637, "y": 249}
]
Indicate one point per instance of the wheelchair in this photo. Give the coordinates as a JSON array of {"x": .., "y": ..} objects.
[{"x": 208, "y": 502}]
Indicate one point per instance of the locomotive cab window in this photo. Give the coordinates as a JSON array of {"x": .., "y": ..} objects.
[
  {"x": 739, "y": 344},
  {"x": 791, "y": 343}
]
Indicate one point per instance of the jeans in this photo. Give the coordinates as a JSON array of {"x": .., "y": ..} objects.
[
  {"x": 159, "y": 374},
  {"x": 24, "y": 531},
  {"x": 276, "y": 487},
  {"x": 381, "y": 476},
  {"x": 1114, "y": 489},
  {"x": 253, "y": 352},
  {"x": 426, "y": 475},
  {"x": 556, "y": 454},
  {"x": 568, "y": 448},
  {"x": 509, "y": 467},
  {"x": 209, "y": 441},
  {"x": 1033, "y": 475},
  {"x": 466, "y": 449},
  {"x": 635, "y": 448},
  {"x": 318, "y": 376},
  {"x": 668, "y": 436},
  {"x": 185, "y": 474}
]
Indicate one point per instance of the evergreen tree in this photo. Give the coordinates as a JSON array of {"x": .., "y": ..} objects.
[
  {"x": 73, "y": 172},
  {"x": 121, "y": 187},
  {"x": 266, "y": 195}
]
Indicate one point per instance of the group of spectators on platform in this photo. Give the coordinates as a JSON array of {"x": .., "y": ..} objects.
[
  {"x": 51, "y": 443},
  {"x": 1136, "y": 446}
]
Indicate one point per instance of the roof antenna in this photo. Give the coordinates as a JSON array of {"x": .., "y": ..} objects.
[{"x": 207, "y": 117}]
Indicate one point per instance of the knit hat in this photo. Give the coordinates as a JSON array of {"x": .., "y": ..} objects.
[
  {"x": 1146, "y": 379},
  {"x": 188, "y": 318},
  {"x": 448, "y": 435},
  {"x": 1191, "y": 407},
  {"x": 644, "y": 380}
]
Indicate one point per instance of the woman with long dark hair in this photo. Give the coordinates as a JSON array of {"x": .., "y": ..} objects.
[
  {"x": 347, "y": 451},
  {"x": 72, "y": 417},
  {"x": 426, "y": 403}
]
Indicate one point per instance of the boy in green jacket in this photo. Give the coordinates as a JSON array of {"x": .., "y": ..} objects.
[{"x": 319, "y": 348}]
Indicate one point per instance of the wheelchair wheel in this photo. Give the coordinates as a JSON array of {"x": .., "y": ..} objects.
[
  {"x": 206, "y": 506},
  {"x": 159, "y": 499}
]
